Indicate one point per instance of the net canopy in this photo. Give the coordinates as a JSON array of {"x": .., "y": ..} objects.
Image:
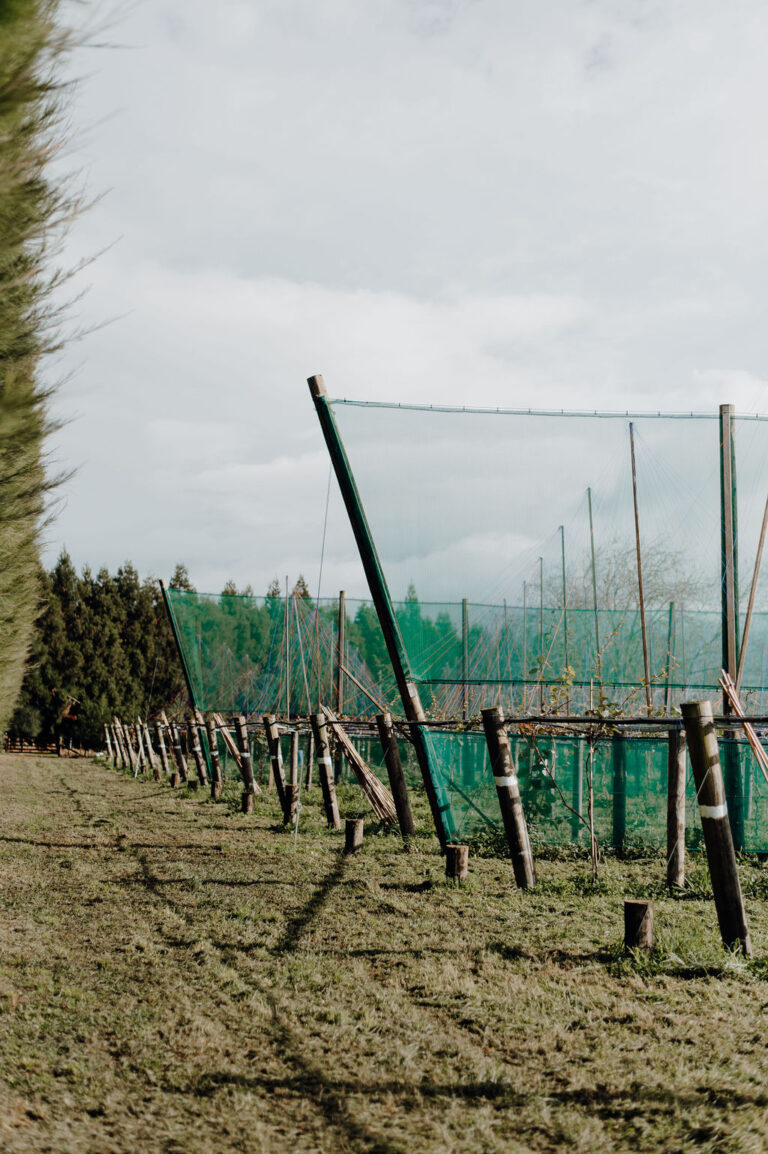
[{"x": 529, "y": 519}]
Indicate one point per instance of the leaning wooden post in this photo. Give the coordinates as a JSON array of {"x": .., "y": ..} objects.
[
  {"x": 150, "y": 751},
  {"x": 272, "y": 731},
  {"x": 108, "y": 740},
  {"x": 128, "y": 749},
  {"x": 710, "y": 794},
  {"x": 676, "y": 764},
  {"x": 325, "y": 769},
  {"x": 508, "y": 791},
  {"x": 396, "y": 777},
  {"x": 217, "y": 782},
  {"x": 246, "y": 767}
]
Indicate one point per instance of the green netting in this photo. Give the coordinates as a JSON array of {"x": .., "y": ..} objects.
[
  {"x": 507, "y": 540},
  {"x": 257, "y": 655},
  {"x": 629, "y": 783}
]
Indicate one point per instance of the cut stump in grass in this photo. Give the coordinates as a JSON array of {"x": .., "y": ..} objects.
[
  {"x": 457, "y": 862},
  {"x": 353, "y": 835},
  {"x": 638, "y": 924}
]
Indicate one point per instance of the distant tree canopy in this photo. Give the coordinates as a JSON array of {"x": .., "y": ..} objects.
[
  {"x": 33, "y": 212},
  {"x": 103, "y": 645}
]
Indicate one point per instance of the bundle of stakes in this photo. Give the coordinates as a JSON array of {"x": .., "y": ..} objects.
[{"x": 378, "y": 795}]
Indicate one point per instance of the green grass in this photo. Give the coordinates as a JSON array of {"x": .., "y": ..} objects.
[{"x": 175, "y": 976}]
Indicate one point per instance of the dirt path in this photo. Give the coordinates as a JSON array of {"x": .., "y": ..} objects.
[{"x": 177, "y": 977}]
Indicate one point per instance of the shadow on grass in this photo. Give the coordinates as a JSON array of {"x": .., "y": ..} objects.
[{"x": 297, "y": 925}]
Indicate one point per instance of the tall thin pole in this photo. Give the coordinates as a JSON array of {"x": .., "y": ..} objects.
[
  {"x": 598, "y": 658},
  {"x": 341, "y": 652},
  {"x": 565, "y": 612},
  {"x": 464, "y": 657},
  {"x": 287, "y": 657},
  {"x": 670, "y": 641},
  {"x": 729, "y": 542},
  {"x": 525, "y": 644},
  {"x": 751, "y": 603},
  {"x": 641, "y": 594},
  {"x": 541, "y": 631},
  {"x": 409, "y": 693}
]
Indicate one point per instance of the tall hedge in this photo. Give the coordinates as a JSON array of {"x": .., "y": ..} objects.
[{"x": 33, "y": 213}]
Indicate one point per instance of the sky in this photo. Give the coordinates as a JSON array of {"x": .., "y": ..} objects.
[{"x": 469, "y": 202}]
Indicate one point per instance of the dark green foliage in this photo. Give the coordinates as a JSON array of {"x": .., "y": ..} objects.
[
  {"x": 32, "y": 215},
  {"x": 103, "y": 646}
]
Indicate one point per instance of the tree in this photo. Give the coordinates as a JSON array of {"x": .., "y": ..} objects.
[
  {"x": 301, "y": 589},
  {"x": 181, "y": 581},
  {"x": 33, "y": 211}
]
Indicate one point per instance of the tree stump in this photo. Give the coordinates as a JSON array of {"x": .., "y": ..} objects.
[
  {"x": 457, "y": 862},
  {"x": 353, "y": 835},
  {"x": 175, "y": 780},
  {"x": 638, "y": 924}
]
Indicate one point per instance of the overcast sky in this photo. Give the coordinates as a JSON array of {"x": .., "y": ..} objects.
[{"x": 491, "y": 202}]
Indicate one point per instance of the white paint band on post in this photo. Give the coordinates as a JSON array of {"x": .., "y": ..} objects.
[
  {"x": 508, "y": 782},
  {"x": 713, "y": 810}
]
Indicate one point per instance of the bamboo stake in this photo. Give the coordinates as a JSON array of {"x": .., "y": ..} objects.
[
  {"x": 751, "y": 604},
  {"x": 381, "y": 800},
  {"x": 641, "y": 594}
]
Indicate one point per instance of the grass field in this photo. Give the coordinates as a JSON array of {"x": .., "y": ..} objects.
[{"x": 177, "y": 977}]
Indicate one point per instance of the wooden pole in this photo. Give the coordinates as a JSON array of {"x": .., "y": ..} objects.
[
  {"x": 464, "y": 657},
  {"x": 710, "y": 794},
  {"x": 598, "y": 656},
  {"x": 310, "y": 758},
  {"x": 670, "y": 642},
  {"x": 525, "y": 645},
  {"x": 577, "y": 794},
  {"x": 272, "y": 731},
  {"x": 508, "y": 791},
  {"x": 163, "y": 750},
  {"x": 217, "y": 781},
  {"x": 341, "y": 649},
  {"x": 246, "y": 765},
  {"x": 565, "y": 601},
  {"x": 638, "y": 924},
  {"x": 676, "y": 765},
  {"x": 541, "y": 633},
  {"x": 197, "y": 753},
  {"x": 292, "y": 800},
  {"x": 287, "y": 657},
  {"x": 409, "y": 695},
  {"x": 108, "y": 740},
  {"x": 396, "y": 778},
  {"x": 640, "y": 591},
  {"x": 181, "y": 763},
  {"x": 619, "y": 823},
  {"x": 751, "y": 602},
  {"x": 325, "y": 769}
]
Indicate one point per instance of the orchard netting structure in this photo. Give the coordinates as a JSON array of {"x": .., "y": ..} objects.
[
  {"x": 255, "y": 655},
  {"x": 523, "y": 538}
]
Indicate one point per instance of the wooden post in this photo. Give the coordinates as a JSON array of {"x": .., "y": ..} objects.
[
  {"x": 577, "y": 793},
  {"x": 676, "y": 765},
  {"x": 246, "y": 767},
  {"x": 310, "y": 758},
  {"x": 638, "y": 924},
  {"x": 325, "y": 769},
  {"x": 217, "y": 782},
  {"x": 276, "y": 759},
  {"x": 108, "y": 740},
  {"x": 341, "y": 646},
  {"x": 619, "y": 824},
  {"x": 598, "y": 656},
  {"x": 197, "y": 753},
  {"x": 640, "y": 592},
  {"x": 161, "y": 747},
  {"x": 565, "y": 613},
  {"x": 292, "y": 800},
  {"x": 130, "y": 753},
  {"x": 396, "y": 777},
  {"x": 457, "y": 861},
  {"x": 181, "y": 763},
  {"x": 729, "y": 548},
  {"x": 670, "y": 644},
  {"x": 150, "y": 751},
  {"x": 353, "y": 835},
  {"x": 751, "y": 602},
  {"x": 508, "y": 791},
  {"x": 710, "y": 793}
]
